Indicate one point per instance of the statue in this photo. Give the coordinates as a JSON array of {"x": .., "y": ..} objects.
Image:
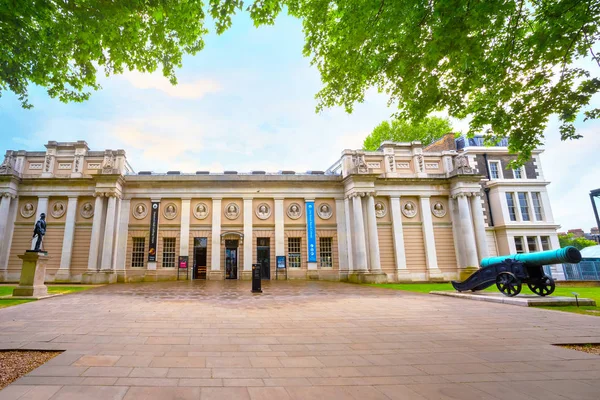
[{"x": 39, "y": 231}]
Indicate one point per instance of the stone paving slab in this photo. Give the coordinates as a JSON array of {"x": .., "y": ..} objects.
[
  {"x": 298, "y": 340},
  {"x": 519, "y": 300}
]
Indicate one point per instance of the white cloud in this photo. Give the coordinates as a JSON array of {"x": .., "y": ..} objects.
[{"x": 192, "y": 90}]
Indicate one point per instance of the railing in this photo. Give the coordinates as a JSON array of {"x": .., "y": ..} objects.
[{"x": 584, "y": 271}]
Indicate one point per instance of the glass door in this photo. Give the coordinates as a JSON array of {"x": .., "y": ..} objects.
[
  {"x": 231, "y": 259},
  {"x": 263, "y": 257},
  {"x": 200, "y": 245}
]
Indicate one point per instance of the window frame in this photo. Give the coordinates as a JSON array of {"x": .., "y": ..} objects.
[
  {"x": 520, "y": 240},
  {"x": 326, "y": 242},
  {"x": 295, "y": 257},
  {"x": 498, "y": 169},
  {"x": 539, "y": 208},
  {"x": 169, "y": 263},
  {"x": 525, "y": 211},
  {"x": 511, "y": 215},
  {"x": 547, "y": 240},
  {"x": 530, "y": 242},
  {"x": 522, "y": 173},
  {"x": 138, "y": 254}
]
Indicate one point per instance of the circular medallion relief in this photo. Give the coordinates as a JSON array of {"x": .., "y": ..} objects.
[
  {"x": 324, "y": 211},
  {"x": 58, "y": 209},
  {"x": 27, "y": 210},
  {"x": 201, "y": 211},
  {"x": 232, "y": 211},
  {"x": 294, "y": 211},
  {"x": 263, "y": 211},
  {"x": 409, "y": 209},
  {"x": 438, "y": 209},
  {"x": 140, "y": 211},
  {"x": 380, "y": 209},
  {"x": 87, "y": 210},
  {"x": 170, "y": 211}
]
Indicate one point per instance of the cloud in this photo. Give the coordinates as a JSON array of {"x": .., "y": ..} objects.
[{"x": 192, "y": 90}]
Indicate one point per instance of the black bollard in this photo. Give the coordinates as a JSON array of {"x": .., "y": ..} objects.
[{"x": 256, "y": 279}]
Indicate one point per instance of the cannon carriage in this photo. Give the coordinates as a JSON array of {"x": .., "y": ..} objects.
[{"x": 509, "y": 273}]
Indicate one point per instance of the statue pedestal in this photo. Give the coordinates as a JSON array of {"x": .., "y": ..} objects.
[{"x": 33, "y": 274}]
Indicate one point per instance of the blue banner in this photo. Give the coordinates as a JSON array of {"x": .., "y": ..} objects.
[{"x": 311, "y": 231}]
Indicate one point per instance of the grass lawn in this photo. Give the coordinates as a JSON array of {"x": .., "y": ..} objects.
[
  {"x": 7, "y": 291},
  {"x": 583, "y": 292}
]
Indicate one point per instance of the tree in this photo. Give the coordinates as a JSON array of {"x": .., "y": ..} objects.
[
  {"x": 59, "y": 44},
  {"x": 506, "y": 65},
  {"x": 427, "y": 131},
  {"x": 579, "y": 242}
]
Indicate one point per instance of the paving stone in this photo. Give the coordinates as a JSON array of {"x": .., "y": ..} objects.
[
  {"x": 22, "y": 392},
  {"x": 96, "y": 361},
  {"x": 91, "y": 393},
  {"x": 162, "y": 393},
  {"x": 224, "y": 393}
]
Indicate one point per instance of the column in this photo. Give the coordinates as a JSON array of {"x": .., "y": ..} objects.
[
  {"x": 399, "y": 249},
  {"x": 6, "y": 242},
  {"x": 248, "y": 235},
  {"x": 5, "y": 199},
  {"x": 279, "y": 229},
  {"x": 459, "y": 246},
  {"x": 375, "y": 264},
  {"x": 67, "y": 249},
  {"x": 109, "y": 233},
  {"x": 429, "y": 238},
  {"x": 360, "y": 251},
  {"x": 42, "y": 208},
  {"x": 96, "y": 232},
  {"x": 365, "y": 214},
  {"x": 479, "y": 225},
  {"x": 123, "y": 229},
  {"x": 215, "y": 259},
  {"x": 340, "y": 213},
  {"x": 349, "y": 230},
  {"x": 468, "y": 236}
]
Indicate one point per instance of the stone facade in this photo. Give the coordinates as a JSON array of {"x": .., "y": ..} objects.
[{"x": 402, "y": 213}]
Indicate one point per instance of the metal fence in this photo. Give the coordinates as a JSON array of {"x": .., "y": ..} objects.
[{"x": 584, "y": 271}]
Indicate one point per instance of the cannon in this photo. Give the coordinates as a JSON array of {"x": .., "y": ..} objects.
[{"x": 510, "y": 272}]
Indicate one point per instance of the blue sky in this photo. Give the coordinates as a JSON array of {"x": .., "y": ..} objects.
[{"x": 246, "y": 102}]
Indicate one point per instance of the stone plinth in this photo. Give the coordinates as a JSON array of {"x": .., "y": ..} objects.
[
  {"x": 367, "y": 277},
  {"x": 246, "y": 275},
  {"x": 216, "y": 275},
  {"x": 33, "y": 274},
  {"x": 524, "y": 300},
  {"x": 100, "y": 277}
]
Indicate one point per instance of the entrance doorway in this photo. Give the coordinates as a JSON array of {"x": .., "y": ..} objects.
[
  {"x": 200, "y": 245},
  {"x": 263, "y": 257},
  {"x": 231, "y": 259}
]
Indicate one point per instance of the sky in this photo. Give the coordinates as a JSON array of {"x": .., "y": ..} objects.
[{"x": 246, "y": 102}]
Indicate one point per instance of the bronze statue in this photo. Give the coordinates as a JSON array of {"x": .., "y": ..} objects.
[{"x": 39, "y": 231}]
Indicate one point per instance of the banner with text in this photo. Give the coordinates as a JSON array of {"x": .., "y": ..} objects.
[
  {"x": 153, "y": 232},
  {"x": 311, "y": 231}
]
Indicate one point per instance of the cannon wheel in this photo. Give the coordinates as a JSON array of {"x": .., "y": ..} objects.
[
  {"x": 508, "y": 284},
  {"x": 543, "y": 287}
]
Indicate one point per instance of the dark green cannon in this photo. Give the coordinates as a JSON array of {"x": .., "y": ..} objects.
[{"x": 509, "y": 272}]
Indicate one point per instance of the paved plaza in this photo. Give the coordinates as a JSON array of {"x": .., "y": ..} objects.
[{"x": 298, "y": 340}]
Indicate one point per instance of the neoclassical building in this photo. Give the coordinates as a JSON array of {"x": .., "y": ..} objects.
[{"x": 401, "y": 213}]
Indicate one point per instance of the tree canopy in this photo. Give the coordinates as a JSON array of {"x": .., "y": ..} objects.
[
  {"x": 579, "y": 242},
  {"x": 506, "y": 65},
  {"x": 427, "y": 131}
]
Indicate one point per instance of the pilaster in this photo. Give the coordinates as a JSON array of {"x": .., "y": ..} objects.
[
  {"x": 123, "y": 232},
  {"x": 64, "y": 270},
  {"x": 109, "y": 233},
  {"x": 429, "y": 239},
  {"x": 349, "y": 230},
  {"x": 248, "y": 239},
  {"x": 341, "y": 239},
  {"x": 360, "y": 251},
  {"x": 279, "y": 230},
  {"x": 96, "y": 233},
  {"x": 399, "y": 248},
  {"x": 8, "y": 207},
  {"x": 215, "y": 259}
]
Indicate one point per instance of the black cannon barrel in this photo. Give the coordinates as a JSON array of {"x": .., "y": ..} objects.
[{"x": 567, "y": 254}]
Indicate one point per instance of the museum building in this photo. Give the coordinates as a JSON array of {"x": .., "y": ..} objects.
[{"x": 402, "y": 213}]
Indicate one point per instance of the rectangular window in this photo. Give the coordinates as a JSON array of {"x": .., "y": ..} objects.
[
  {"x": 532, "y": 244},
  {"x": 545, "y": 242},
  {"x": 510, "y": 201},
  {"x": 494, "y": 169},
  {"x": 138, "y": 253},
  {"x": 524, "y": 204},
  {"x": 517, "y": 173},
  {"x": 519, "y": 244},
  {"x": 537, "y": 206},
  {"x": 168, "y": 259},
  {"x": 325, "y": 252},
  {"x": 294, "y": 251}
]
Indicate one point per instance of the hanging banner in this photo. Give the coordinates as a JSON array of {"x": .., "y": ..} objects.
[
  {"x": 311, "y": 231},
  {"x": 153, "y": 232}
]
